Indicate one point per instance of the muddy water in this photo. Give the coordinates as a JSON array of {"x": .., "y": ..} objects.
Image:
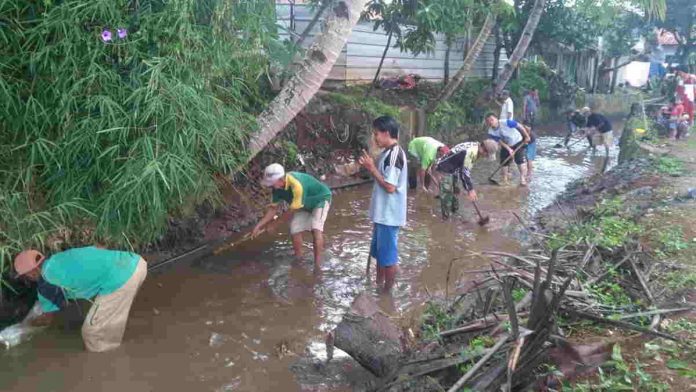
[{"x": 238, "y": 321}]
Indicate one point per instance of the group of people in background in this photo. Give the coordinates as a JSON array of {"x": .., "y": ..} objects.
[{"x": 678, "y": 116}]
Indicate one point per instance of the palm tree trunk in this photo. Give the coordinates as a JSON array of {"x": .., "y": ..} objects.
[
  {"x": 312, "y": 23},
  {"x": 496, "y": 52},
  {"x": 447, "y": 60},
  {"x": 381, "y": 61},
  {"x": 469, "y": 61},
  {"x": 318, "y": 61},
  {"x": 522, "y": 45}
]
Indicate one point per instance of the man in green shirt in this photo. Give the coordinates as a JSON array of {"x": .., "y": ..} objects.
[
  {"x": 308, "y": 202},
  {"x": 426, "y": 150},
  {"x": 111, "y": 277}
]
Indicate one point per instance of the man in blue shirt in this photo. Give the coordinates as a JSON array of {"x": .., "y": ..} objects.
[
  {"x": 388, "y": 204},
  {"x": 512, "y": 137},
  {"x": 111, "y": 277}
]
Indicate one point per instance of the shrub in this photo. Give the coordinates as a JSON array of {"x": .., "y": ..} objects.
[{"x": 121, "y": 128}]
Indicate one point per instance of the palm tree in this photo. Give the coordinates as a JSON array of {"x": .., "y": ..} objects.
[
  {"x": 311, "y": 73},
  {"x": 522, "y": 45},
  {"x": 469, "y": 61}
]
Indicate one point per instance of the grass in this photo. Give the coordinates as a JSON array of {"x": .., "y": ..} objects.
[
  {"x": 436, "y": 319},
  {"x": 373, "y": 106},
  {"x": 671, "y": 240},
  {"x": 605, "y": 228},
  {"x": 620, "y": 375},
  {"x": 669, "y": 165},
  {"x": 681, "y": 280}
]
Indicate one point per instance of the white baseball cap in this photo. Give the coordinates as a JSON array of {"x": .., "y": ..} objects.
[{"x": 272, "y": 173}]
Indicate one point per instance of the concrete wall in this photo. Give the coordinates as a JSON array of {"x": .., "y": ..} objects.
[{"x": 618, "y": 104}]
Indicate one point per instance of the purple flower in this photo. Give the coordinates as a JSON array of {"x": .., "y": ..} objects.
[
  {"x": 106, "y": 35},
  {"x": 122, "y": 33}
]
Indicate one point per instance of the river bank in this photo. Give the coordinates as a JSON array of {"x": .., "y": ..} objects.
[{"x": 624, "y": 251}]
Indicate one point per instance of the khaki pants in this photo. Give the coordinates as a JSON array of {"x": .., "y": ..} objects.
[
  {"x": 307, "y": 221},
  {"x": 105, "y": 323}
]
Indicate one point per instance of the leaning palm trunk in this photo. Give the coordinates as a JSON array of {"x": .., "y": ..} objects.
[
  {"x": 469, "y": 61},
  {"x": 522, "y": 45},
  {"x": 310, "y": 75}
]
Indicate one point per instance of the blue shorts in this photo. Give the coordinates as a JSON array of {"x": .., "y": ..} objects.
[
  {"x": 384, "y": 246},
  {"x": 531, "y": 151}
]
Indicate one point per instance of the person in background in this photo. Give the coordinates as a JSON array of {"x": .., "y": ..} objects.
[
  {"x": 599, "y": 128},
  {"x": 675, "y": 117},
  {"x": 426, "y": 150},
  {"x": 507, "y": 106},
  {"x": 111, "y": 277},
  {"x": 531, "y": 152},
  {"x": 683, "y": 127},
  {"x": 530, "y": 106},
  {"x": 308, "y": 202},
  {"x": 686, "y": 90},
  {"x": 512, "y": 137},
  {"x": 574, "y": 121},
  {"x": 388, "y": 203},
  {"x": 457, "y": 165}
]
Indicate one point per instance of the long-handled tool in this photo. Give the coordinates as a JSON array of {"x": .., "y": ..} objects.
[
  {"x": 490, "y": 179},
  {"x": 369, "y": 261},
  {"x": 245, "y": 237},
  {"x": 482, "y": 219}
]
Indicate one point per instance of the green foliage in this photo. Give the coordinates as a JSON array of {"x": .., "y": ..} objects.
[
  {"x": 669, "y": 165},
  {"x": 531, "y": 76},
  {"x": 607, "y": 231},
  {"x": 373, "y": 106},
  {"x": 446, "y": 120},
  {"x": 619, "y": 375},
  {"x": 681, "y": 280},
  {"x": 671, "y": 241},
  {"x": 682, "y": 325},
  {"x": 122, "y": 134},
  {"x": 604, "y": 228},
  {"x": 519, "y": 293},
  {"x": 610, "y": 293},
  {"x": 415, "y": 23},
  {"x": 475, "y": 347},
  {"x": 436, "y": 320}
]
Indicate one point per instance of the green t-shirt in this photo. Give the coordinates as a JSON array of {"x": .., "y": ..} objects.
[
  {"x": 302, "y": 191},
  {"x": 84, "y": 273},
  {"x": 425, "y": 149}
]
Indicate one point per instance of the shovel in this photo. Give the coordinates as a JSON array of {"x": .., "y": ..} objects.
[
  {"x": 483, "y": 220},
  {"x": 490, "y": 179}
]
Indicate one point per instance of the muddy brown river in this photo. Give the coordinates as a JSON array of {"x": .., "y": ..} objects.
[{"x": 238, "y": 321}]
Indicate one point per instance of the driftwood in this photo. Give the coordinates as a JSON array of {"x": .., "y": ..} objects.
[
  {"x": 460, "y": 383},
  {"x": 370, "y": 337},
  {"x": 524, "y": 332},
  {"x": 621, "y": 324}
]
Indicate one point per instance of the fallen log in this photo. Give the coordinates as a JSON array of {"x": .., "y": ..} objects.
[{"x": 369, "y": 336}]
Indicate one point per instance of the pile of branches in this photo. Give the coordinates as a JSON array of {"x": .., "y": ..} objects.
[{"x": 557, "y": 282}]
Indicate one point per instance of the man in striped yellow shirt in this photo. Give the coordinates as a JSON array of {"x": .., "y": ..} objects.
[{"x": 308, "y": 202}]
